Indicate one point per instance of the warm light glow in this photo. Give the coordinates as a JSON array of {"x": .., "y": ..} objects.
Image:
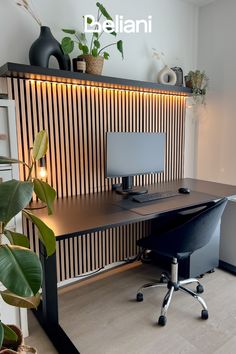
[
  {"x": 42, "y": 172},
  {"x": 94, "y": 87}
]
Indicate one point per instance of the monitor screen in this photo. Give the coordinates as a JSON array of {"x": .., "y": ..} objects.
[{"x": 130, "y": 154}]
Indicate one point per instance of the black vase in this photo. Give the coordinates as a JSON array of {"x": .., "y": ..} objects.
[{"x": 46, "y": 46}]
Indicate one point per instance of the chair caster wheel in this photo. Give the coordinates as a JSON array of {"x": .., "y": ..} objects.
[
  {"x": 204, "y": 314},
  {"x": 163, "y": 278},
  {"x": 139, "y": 297},
  {"x": 200, "y": 289},
  {"x": 162, "y": 320}
]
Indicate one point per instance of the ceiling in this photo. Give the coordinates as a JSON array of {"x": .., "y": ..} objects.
[{"x": 200, "y": 2}]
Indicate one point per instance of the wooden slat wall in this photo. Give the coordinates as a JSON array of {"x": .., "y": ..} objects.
[{"x": 76, "y": 119}]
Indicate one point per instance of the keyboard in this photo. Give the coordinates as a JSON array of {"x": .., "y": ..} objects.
[{"x": 149, "y": 197}]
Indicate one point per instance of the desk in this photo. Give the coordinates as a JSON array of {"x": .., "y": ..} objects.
[{"x": 89, "y": 213}]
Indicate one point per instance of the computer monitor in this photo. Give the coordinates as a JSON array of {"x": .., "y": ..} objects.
[{"x": 132, "y": 154}]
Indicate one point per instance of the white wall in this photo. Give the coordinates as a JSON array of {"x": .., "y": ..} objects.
[
  {"x": 174, "y": 32},
  {"x": 217, "y": 126}
]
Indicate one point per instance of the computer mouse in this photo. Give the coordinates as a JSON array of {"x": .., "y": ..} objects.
[{"x": 184, "y": 190}]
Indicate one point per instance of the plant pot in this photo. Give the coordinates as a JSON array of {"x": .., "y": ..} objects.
[
  {"x": 94, "y": 65},
  {"x": 18, "y": 347},
  {"x": 188, "y": 83}
]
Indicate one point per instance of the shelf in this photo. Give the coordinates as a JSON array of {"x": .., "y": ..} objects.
[{"x": 70, "y": 77}]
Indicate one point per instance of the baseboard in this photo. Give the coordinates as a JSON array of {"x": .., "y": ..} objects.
[{"x": 226, "y": 266}]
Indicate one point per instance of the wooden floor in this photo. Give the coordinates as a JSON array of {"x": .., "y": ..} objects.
[{"x": 102, "y": 316}]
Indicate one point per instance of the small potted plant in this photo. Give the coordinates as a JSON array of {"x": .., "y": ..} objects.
[
  {"x": 198, "y": 82},
  {"x": 93, "y": 53},
  {"x": 20, "y": 268}
]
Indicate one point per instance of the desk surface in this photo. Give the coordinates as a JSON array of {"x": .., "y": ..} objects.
[{"x": 89, "y": 213}]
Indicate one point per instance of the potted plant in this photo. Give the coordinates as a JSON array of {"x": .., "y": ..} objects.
[
  {"x": 198, "y": 82},
  {"x": 93, "y": 53},
  {"x": 20, "y": 268}
]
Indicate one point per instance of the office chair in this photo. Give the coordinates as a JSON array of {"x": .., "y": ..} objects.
[{"x": 194, "y": 231}]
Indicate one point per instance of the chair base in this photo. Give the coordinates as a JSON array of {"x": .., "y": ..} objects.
[{"x": 173, "y": 284}]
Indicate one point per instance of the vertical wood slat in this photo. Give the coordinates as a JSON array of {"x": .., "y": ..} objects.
[{"x": 77, "y": 118}]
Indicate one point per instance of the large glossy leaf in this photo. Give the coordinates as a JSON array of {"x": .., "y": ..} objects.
[
  {"x": 16, "y": 238},
  {"x": 119, "y": 45},
  {"x": 104, "y": 11},
  {"x": 1, "y": 334},
  {"x": 45, "y": 193},
  {"x": 19, "y": 301},
  {"x": 40, "y": 145},
  {"x": 14, "y": 196},
  {"x": 9, "y": 334},
  {"x": 7, "y": 160},
  {"x": 46, "y": 235},
  {"x": 20, "y": 270}
]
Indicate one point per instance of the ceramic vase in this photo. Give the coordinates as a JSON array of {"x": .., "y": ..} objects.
[
  {"x": 166, "y": 76},
  {"x": 46, "y": 46}
]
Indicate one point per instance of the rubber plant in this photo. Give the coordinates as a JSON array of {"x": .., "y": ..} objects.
[
  {"x": 94, "y": 48},
  {"x": 20, "y": 268}
]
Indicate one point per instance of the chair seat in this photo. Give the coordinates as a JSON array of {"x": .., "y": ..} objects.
[{"x": 158, "y": 245}]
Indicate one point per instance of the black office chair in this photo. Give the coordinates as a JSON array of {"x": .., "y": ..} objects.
[{"x": 179, "y": 241}]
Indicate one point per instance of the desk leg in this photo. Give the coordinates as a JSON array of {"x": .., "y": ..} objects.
[{"x": 47, "y": 312}]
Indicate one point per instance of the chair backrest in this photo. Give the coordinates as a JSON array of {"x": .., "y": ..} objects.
[{"x": 196, "y": 232}]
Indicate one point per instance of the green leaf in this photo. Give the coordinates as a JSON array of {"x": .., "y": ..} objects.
[
  {"x": 19, "y": 301},
  {"x": 46, "y": 235},
  {"x": 120, "y": 47},
  {"x": 97, "y": 44},
  {"x": 80, "y": 46},
  {"x": 95, "y": 34},
  {"x": 20, "y": 270},
  {"x": 89, "y": 20},
  {"x": 40, "y": 145},
  {"x": 85, "y": 49},
  {"x": 104, "y": 11},
  {"x": 1, "y": 334},
  {"x": 94, "y": 52},
  {"x": 14, "y": 196},
  {"x": 70, "y": 31},
  {"x": 45, "y": 193},
  {"x": 9, "y": 334},
  {"x": 17, "y": 239},
  {"x": 106, "y": 55},
  {"x": 113, "y": 32},
  {"x": 67, "y": 45},
  {"x": 7, "y": 160}
]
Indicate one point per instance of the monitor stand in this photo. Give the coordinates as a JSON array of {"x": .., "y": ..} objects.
[{"x": 128, "y": 189}]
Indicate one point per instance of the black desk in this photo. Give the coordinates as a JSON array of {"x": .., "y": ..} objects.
[{"x": 90, "y": 213}]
